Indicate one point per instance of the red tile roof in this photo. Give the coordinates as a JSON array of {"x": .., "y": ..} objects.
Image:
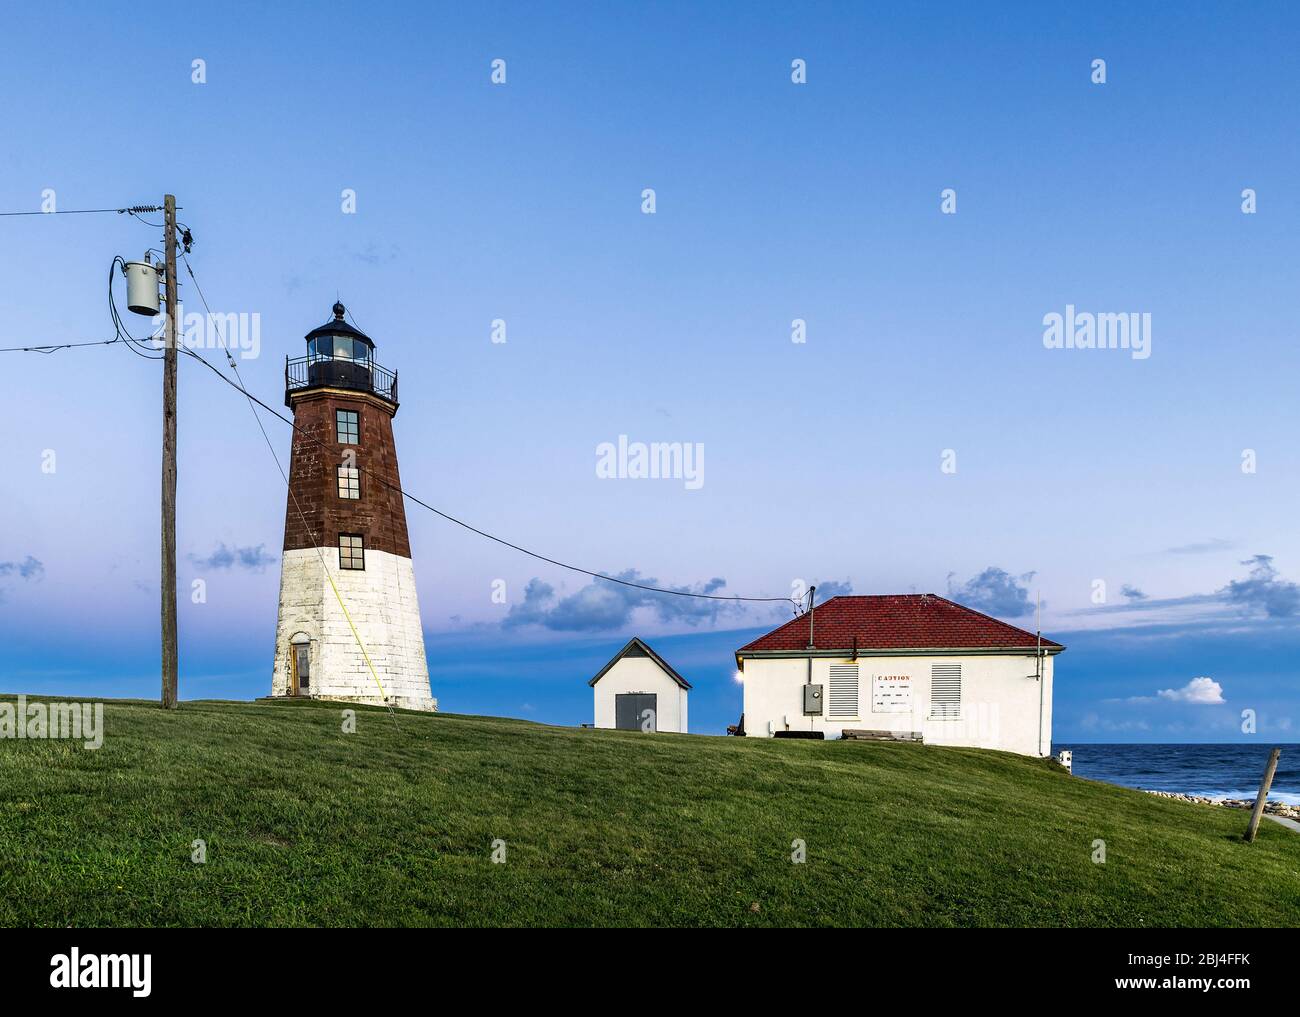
[{"x": 910, "y": 621}]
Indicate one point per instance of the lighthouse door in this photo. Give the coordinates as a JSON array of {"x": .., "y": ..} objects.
[{"x": 300, "y": 663}]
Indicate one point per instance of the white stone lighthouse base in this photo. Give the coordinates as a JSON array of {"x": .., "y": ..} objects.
[{"x": 382, "y": 603}]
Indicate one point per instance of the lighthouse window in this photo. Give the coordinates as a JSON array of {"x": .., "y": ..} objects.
[
  {"x": 349, "y": 482},
  {"x": 352, "y": 551},
  {"x": 347, "y": 426}
]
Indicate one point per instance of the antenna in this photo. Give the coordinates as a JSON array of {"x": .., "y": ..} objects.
[
  {"x": 1038, "y": 646},
  {"x": 1038, "y": 673},
  {"x": 812, "y": 593},
  {"x": 1038, "y": 649}
]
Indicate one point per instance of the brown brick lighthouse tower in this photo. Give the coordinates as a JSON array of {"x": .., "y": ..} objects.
[{"x": 349, "y": 620}]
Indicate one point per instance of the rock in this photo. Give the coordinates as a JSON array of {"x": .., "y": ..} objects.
[{"x": 1273, "y": 808}]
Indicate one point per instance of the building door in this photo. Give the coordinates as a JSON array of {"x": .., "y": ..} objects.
[
  {"x": 636, "y": 711},
  {"x": 301, "y": 667}
]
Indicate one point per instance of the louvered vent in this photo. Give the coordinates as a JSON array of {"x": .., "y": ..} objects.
[
  {"x": 945, "y": 690},
  {"x": 844, "y": 691}
]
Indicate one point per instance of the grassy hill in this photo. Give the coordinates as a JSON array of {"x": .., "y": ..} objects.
[{"x": 394, "y": 824}]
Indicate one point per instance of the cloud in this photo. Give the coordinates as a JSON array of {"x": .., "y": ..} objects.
[
  {"x": 1202, "y": 547},
  {"x": 1132, "y": 593},
  {"x": 1263, "y": 597},
  {"x": 28, "y": 568},
  {"x": 1096, "y": 722},
  {"x": 994, "y": 591},
  {"x": 834, "y": 588},
  {"x": 603, "y": 605},
  {"x": 1278, "y": 598},
  {"x": 1201, "y": 691},
  {"x": 373, "y": 254},
  {"x": 254, "y": 559}
]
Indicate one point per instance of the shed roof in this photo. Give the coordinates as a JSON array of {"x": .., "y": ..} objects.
[{"x": 637, "y": 647}]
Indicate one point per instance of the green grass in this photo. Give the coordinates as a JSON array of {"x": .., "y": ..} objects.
[{"x": 393, "y": 825}]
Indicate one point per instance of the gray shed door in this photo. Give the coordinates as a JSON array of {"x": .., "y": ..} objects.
[{"x": 630, "y": 711}]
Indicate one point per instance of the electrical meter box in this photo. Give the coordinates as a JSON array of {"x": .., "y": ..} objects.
[{"x": 812, "y": 700}]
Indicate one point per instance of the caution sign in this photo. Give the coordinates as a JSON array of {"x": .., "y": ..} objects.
[{"x": 891, "y": 693}]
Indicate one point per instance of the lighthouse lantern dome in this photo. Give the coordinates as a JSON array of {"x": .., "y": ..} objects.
[{"x": 340, "y": 355}]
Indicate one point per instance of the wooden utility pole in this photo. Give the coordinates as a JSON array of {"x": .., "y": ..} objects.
[
  {"x": 1267, "y": 783},
  {"x": 169, "y": 653}
]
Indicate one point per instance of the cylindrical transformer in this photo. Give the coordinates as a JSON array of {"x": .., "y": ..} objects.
[{"x": 142, "y": 287}]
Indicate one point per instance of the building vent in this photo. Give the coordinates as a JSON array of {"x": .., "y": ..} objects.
[
  {"x": 945, "y": 690},
  {"x": 843, "y": 692}
]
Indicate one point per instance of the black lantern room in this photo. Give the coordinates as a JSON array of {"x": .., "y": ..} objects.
[{"x": 339, "y": 355}]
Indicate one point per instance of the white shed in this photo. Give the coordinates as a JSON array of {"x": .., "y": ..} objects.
[{"x": 638, "y": 691}]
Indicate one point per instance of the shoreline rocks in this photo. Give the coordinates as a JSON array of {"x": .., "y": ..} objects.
[{"x": 1271, "y": 807}]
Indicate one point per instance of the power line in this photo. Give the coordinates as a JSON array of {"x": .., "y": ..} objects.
[
  {"x": 155, "y": 225},
  {"x": 484, "y": 533},
  {"x": 131, "y": 209},
  {"x": 54, "y": 348},
  {"x": 447, "y": 516}
]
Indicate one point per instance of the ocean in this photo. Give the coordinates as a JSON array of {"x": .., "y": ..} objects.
[{"x": 1215, "y": 771}]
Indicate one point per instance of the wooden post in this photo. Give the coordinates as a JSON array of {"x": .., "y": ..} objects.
[
  {"x": 169, "y": 653},
  {"x": 1267, "y": 783}
]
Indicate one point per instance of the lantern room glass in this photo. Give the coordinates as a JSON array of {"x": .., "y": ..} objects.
[{"x": 340, "y": 347}]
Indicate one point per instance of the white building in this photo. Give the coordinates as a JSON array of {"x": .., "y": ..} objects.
[
  {"x": 638, "y": 691},
  {"x": 913, "y": 665}
]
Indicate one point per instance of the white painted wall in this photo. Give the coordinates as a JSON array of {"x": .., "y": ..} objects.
[
  {"x": 641, "y": 674},
  {"x": 382, "y": 602},
  {"x": 1000, "y": 705}
]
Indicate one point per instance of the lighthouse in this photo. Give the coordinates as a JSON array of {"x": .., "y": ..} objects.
[{"x": 349, "y": 621}]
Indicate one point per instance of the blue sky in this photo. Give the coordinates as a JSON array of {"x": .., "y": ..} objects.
[{"x": 774, "y": 202}]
